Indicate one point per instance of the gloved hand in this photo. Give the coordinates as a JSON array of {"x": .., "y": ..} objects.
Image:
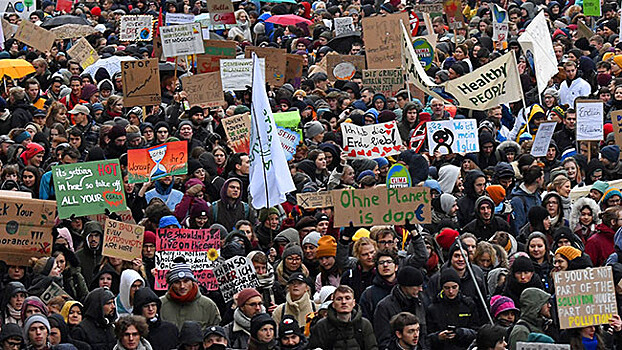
[
  {"x": 194, "y": 190},
  {"x": 347, "y": 233}
]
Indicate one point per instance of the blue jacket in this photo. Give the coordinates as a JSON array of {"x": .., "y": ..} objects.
[{"x": 521, "y": 203}]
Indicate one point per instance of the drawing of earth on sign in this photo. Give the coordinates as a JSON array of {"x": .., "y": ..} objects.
[
  {"x": 145, "y": 33},
  {"x": 344, "y": 71},
  {"x": 157, "y": 154}
]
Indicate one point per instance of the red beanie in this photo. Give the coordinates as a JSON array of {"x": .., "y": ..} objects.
[
  {"x": 607, "y": 129},
  {"x": 149, "y": 237},
  {"x": 446, "y": 238},
  {"x": 96, "y": 11},
  {"x": 246, "y": 294},
  {"x": 31, "y": 150}
]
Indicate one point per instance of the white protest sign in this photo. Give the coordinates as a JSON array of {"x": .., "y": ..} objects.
[
  {"x": 236, "y": 74},
  {"x": 234, "y": 275},
  {"x": 136, "y": 28},
  {"x": 543, "y": 139},
  {"x": 182, "y": 39},
  {"x": 500, "y": 24},
  {"x": 22, "y": 8},
  {"x": 589, "y": 120},
  {"x": 536, "y": 41},
  {"x": 343, "y": 25},
  {"x": 178, "y": 18},
  {"x": 453, "y": 136},
  {"x": 289, "y": 141},
  {"x": 541, "y": 346},
  {"x": 371, "y": 141}
]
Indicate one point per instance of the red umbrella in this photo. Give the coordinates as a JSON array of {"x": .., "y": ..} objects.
[{"x": 286, "y": 20}]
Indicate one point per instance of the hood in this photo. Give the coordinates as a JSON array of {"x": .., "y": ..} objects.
[
  {"x": 223, "y": 190},
  {"x": 290, "y": 234},
  {"x": 90, "y": 227},
  {"x": 190, "y": 333},
  {"x": 67, "y": 307},
  {"x": 575, "y": 213},
  {"x": 617, "y": 241},
  {"x": 418, "y": 166},
  {"x": 107, "y": 268},
  {"x": 236, "y": 234},
  {"x": 128, "y": 277},
  {"x": 357, "y": 314},
  {"x": 605, "y": 230},
  {"x": 481, "y": 200},
  {"x": 433, "y": 185},
  {"x": 142, "y": 297},
  {"x": 94, "y": 303},
  {"x": 11, "y": 330},
  {"x": 493, "y": 277},
  {"x": 531, "y": 301},
  {"x": 447, "y": 177},
  {"x": 57, "y": 321},
  {"x": 469, "y": 181},
  {"x": 10, "y": 290}
]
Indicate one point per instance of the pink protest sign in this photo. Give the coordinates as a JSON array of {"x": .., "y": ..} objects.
[{"x": 200, "y": 248}]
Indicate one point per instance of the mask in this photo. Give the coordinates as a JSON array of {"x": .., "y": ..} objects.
[{"x": 217, "y": 347}]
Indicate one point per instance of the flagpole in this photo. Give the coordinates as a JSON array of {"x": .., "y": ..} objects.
[
  {"x": 406, "y": 74},
  {"x": 263, "y": 167}
]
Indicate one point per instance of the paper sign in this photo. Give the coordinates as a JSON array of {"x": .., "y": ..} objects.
[
  {"x": 219, "y": 6},
  {"x": 88, "y": 188},
  {"x": 309, "y": 200},
  {"x": 543, "y": 139},
  {"x": 585, "y": 297},
  {"x": 182, "y": 39},
  {"x": 35, "y": 36},
  {"x": 124, "y": 215},
  {"x": 276, "y": 63},
  {"x": 589, "y": 120},
  {"x": 234, "y": 275},
  {"x": 592, "y": 8},
  {"x": 289, "y": 120},
  {"x": 384, "y": 81},
  {"x": 289, "y": 142},
  {"x": 453, "y": 136},
  {"x": 136, "y": 28},
  {"x": 418, "y": 137},
  {"x": 616, "y": 120},
  {"x": 152, "y": 163},
  {"x": 453, "y": 12},
  {"x": 382, "y": 206},
  {"x": 178, "y": 18},
  {"x": 204, "y": 89},
  {"x": 382, "y": 40},
  {"x": 425, "y": 51},
  {"x": 123, "y": 240},
  {"x": 238, "y": 129},
  {"x": 199, "y": 247},
  {"x": 23, "y": 8},
  {"x": 83, "y": 52},
  {"x": 541, "y": 346},
  {"x": 141, "y": 82},
  {"x": 343, "y": 25},
  {"x": 335, "y": 61},
  {"x": 236, "y": 74},
  {"x": 25, "y": 229},
  {"x": 371, "y": 141},
  {"x": 436, "y": 7},
  {"x": 398, "y": 176},
  {"x": 583, "y": 30},
  {"x": 222, "y": 19},
  {"x": 293, "y": 70},
  {"x": 500, "y": 23},
  {"x": 53, "y": 291}
]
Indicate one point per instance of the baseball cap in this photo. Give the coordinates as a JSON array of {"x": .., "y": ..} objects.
[
  {"x": 297, "y": 276},
  {"x": 218, "y": 330},
  {"x": 79, "y": 109},
  {"x": 5, "y": 138}
]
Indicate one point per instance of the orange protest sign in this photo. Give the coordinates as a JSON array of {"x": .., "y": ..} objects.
[{"x": 152, "y": 163}]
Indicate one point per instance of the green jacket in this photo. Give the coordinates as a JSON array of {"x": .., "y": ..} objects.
[
  {"x": 330, "y": 333},
  {"x": 531, "y": 300},
  {"x": 201, "y": 309}
]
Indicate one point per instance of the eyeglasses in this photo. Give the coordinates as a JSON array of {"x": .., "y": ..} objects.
[
  {"x": 386, "y": 263},
  {"x": 13, "y": 344},
  {"x": 293, "y": 259}
]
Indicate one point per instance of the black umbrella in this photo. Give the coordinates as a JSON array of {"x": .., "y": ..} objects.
[
  {"x": 168, "y": 67},
  {"x": 342, "y": 43},
  {"x": 52, "y": 22}
]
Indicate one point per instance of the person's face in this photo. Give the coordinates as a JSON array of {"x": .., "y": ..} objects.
[
  {"x": 12, "y": 343},
  {"x": 309, "y": 251},
  {"x": 118, "y": 106},
  {"x": 559, "y": 263},
  {"x": 162, "y": 134},
  {"x": 252, "y": 306},
  {"x": 588, "y": 332},
  {"x": 613, "y": 201},
  {"x": 297, "y": 289},
  {"x": 37, "y": 159},
  {"x": 410, "y": 335},
  {"x": 564, "y": 189},
  {"x": 131, "y": 338},
  {"x": 214, "y": 339},
  {"x": 386, "y": 242},
  {"x": 457, "y": 261},
  {"x": 485, "y": 211},
  {"x": 260, "y": 268},
  {"x": 546, "y": 310},
  {"x": 322, "y": 227},
  {"x": 343, "y": 302},
  {"x": 451, "y": 289},
  {"x": 76, "y": 88},
  {"x": 438, "y": 28},
  {"x": 17, "y": 301},
  {"x": 571, "y": 72},
  {"x": 550, "y": 153},
  {"x": 484, "y": 260},
  {"x": 245, "y": 165},
  {"x": 133, "y": 288},
  {"x": 327, "y": 262},
  {"x": 38, "y": 334},
  {"x": 571, "y": 121},
  {"x": 368, "y": 253},
  {"x": 366, "y": 96},
  {"x": 552, "y": 206},
  {"x": 55, "y": 336},
  {"x": 60, "y": 262},
  {"x": 75, "y": 315},
  {"x": 501, "y": 345},
  {"x": 355, "y": 49},
  {"x": 386, "y": 267},
  {"x": 293, "y": 262},
  {"x": 290, "y": 340},
  {"x": 150, "y": 310},
  {"x": 105, "y": 280},
  {"x": 571, "y": 169},
  {"x": 523, "y": 276},
  {"x": 16, "y": 272},
  {"x": 33, "y": 91},
  {"x": 586, "y": 217},
  {"x": 412, "y": 291},
  {"x": 411, "y": 116},
  {"x": 266, "y": 333},
  {"x": 183, "y": 286},
  {"x": 233, "y": 190},
  {"x": 28, "y": 178},
  {"x": 219, "y": 157},
  {"x": 379, "y": 104},
  {"x": 320, "y": 161},
  {"x": 273, "y": 221},
  {"x": 459, "y": 54},
  {"x": 537, "y": 249},
  {"x": 479, "y": 185}
]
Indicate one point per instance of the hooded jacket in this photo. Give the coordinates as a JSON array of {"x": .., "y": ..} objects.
[
  {"x": 90, "y": 258},
  {"x": 12, "y": 288},
  {"x": 532, "y": 300},
  {"x": 447, "y": 177},
  {"x": 57, "y": 321},
  {"x": 227, "y": 211},
  {"x": 371, "y": 296},
  {"x": 107, "y": 268},
  {"x": 95, "y": 329},
  {"x": 331, "y": 333},
  {"x": 482, "y": 230},
  {"x": 162, "y": 335},
  {"x": 575, "y": 215},
  {"x": 390, "y": 306},
  {"x": 128, "y": 277},
  {"x": 521, "y": 202},
  {"x": 466, "y": 204},
  {"x": 460, "y": 312},
  {"x": 601, "y": 244}
]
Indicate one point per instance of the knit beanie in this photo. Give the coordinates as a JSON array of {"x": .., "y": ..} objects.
[
  {"x": 265, "y": 213},
  {"x": 193, "y": 165},
  {"x": 537, "y": 214},
  {"x": 381, "y": 162},
  {"x": 360, "y": 233},
  {"x": 116, "y": 131},
  {"x": 292, "y": 249},
  {"x": 289, "y": 325},
  {"x": 496, "y": 193},
  {"x": 612, "y": 191},
  {"x": 449, "y": 275},
  {"x": 312, "y": 238},
  {"x": 569, "y": 253},
  {"x": 409, "y": 276},
  {"x": 600, "y": 186},
  {"x": 34, "y": 319},
  {"x": 313, "y": 128},
  {"x": 149, "y": 237},
  {"x": 611, "y": 152},
  {"x": 327, "y": 246},
  {"x": 446, "y": 238},
  {"x": 179, "y": 272},
  {"x": 447, "y": 202},
  {"x": 258, "y": 321},
  {"x": 522, "y": 264},
  {"x": 499, "y": 304},
  {"x": 199, "y": 209},
  {"x": 484, "y": 199},
  {"x": 31, "y": 150},
  {"x": 246, "y": 294}
]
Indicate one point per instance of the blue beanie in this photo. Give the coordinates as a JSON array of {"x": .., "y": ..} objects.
[
  {"x": 381, "y": 162},
  {"x": 22, "y": 136},
  {"x": 169, "y": 220},
  {"x": 365, "y": 173},
  {"x": 612, "y": 153}
]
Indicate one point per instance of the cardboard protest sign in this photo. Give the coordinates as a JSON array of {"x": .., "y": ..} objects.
[
  {"x": 178, "y": 18},
  {"x": 543, "y": 139},
  {"x": 343, "y": 25},
  {"x": 616, "y": 120},
  {"x": 583, "y": 30},
  {"x": 371, "y": 141},
  {"x": 384, "y": 81},
  {"x": 35, "y": 36},
  {"x": 453, "y": 136},
  {"x": 220, "y": 6},
  {"x": 236, "y": 74},
  {"x": 398, "y": 176},
  {"x": 585, "y": 297},
  {"x": 123, "y": 240},
  {"x": 88, "y": 188},
  {"x": 382, "y": 40},
  {"x": 289, "y": 141},
  {"x": 382, "y": 206},
  {"x": 83, "y": 52},
  {"x": 136, "y": 28},
  {"x": 124, "y": 215},
  {"x": 204, "y": 90},
  {"x": 592, "y": 8},
  {"x": 238, "y": 129},
  {"x": 181, "y": 39},
  {"x": 434, "y": 7},
  {"x": 141, "y": 82},
  {"x": 9, "y": 29},
  {"x": 214, "y": 51},
  {"x": 70, "y": 31},
  {"x": 145, "y": 164},
  {"x": 276, "y": 63},
  {"x": 234, "y": 275},
  {"x": 23, "y": 8},
  {"x": 343, "y": 67},
  {"x": 590, "y": 115},
  {"x": 307, "y": 200},
  {"x": 289, "y": 120},
  {"x": 52, "y": 291},
  {"x": 25, "y": 229},
  {"x": 453, "y": 12},
  {"x": 293, "y": 69},
  {"x": 200, "y": 248},
  {"x": 541, "y": 346}
]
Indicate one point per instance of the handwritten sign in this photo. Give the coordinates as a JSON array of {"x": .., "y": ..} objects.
[
  {"x": 83, "y": 52},
  {"x": 234, "y": 275},
  {"x": 589, "y": 120},
  {"x": 214, "y": 51},
  {"x": 199, "y": 247},
  {"x": 384, "y": 81},
  {"x": 70, "y": 31},
  {"x": 453, "y": 136},
  {"x": 398, "y": 176},
  {"x": 383, "y": 40},
  {"x": 204, "y": 89},
  {"x": 181, "y": 39},
  {"x": 238, "y": 129},
  {"x": 236, "y": 74},
  {"x": 616, "y": 120},
  {"x": 344, "y": 65},
  {"x": 293, "y": 70},
  {"x": 371, "y": 141},
  {"x": 541, "y": 346},
  {"x": 220, "y": 6},
  {"x": 310, "y": 200},
  {"x": 592, "y": 8},
  {"x": 35, "y": 36},
  {"x": 25, "y": 229},
  {"x": 585, "y": 297},
  {"x": 543, "y": 139},
  {"x": 289, "y": 141},
  {"x": 152, "y": 163},
  {"x": 9, "y": 29},
  {"x": 124, "y": 215},
  {"x": 141, "y": 82},
  {"x": 435, "y": 7},
  {"x": 178, "y": 18},
  {"x": 123, "y": 240},
  {"x": 343, "y": 25},
  {"x": 88, "y": 188},
  {"x": 382, "y": 206},
  {"x": 276, "y": 63},
  {"x": 52, "y": 291},
  {"x": 136, "y": 28},
  {"x": 453, "y": 12}
]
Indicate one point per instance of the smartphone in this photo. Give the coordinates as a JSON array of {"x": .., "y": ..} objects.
[{"x": 451, "y": 329}]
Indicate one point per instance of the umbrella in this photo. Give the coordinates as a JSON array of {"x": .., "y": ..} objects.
[
  {"x": 15, "y": 68},
  {"x": 280, "y": 1},
  {"x": 51, "y": 22},
  {"x": 69, "y": 31},
  {"x": 111, "y": 64},
  {"x": 168, "y": 67},
  {"x": 342, "y": 43},
  {"x": 286, "y": 20}
]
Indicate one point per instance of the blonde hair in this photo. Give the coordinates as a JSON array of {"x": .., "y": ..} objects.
[{"x": 358, "y": 246}]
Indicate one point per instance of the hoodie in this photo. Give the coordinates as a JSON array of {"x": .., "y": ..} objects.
[
  {"x": 162, "y": 335},
  {"x": 96, "y": 329},
  {"x": 90, "y": 258},
  {"x": 228, "y": 211},
  {"x": 601, "y": 245},
  {"x": 447, "y": 177},
  {"x": 532, "y": 300},
  {"x": 466, "y": 204},
  {"x": 128, "y": 277}
]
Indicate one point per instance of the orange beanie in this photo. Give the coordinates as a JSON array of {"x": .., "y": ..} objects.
[{"x": 326, "y": 246}]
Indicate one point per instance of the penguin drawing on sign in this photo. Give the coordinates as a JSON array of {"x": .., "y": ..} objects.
[{"x": 443, "y": 138}]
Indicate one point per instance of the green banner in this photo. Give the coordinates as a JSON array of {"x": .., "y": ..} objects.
[
  {"x": 88, "y": 188},
  {"x": 591, "y": 8},
  {"x": 289, "y": 120}
]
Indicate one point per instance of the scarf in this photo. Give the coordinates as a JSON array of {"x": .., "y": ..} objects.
[
  {"x": 182, "y": 299},
  {"x": 266, "y": 280},
  {"x": 242, "y": 320},
  {"x": 14, "y": 314},
  {"x": 589, "y": 344},
  {"x": 283, "y": 274},
  {"x": 165, "y": 191}
]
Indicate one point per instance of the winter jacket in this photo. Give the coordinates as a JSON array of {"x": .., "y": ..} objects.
[
  {"x": 21, "y": 114},
  {"x": 390, "y": 306},
  {"x": 600, "y": 245},
  {"x": 162, "y": 335},
  {"x": 90, "y": 258},
  {"x": 227, "y": 212},
  {"x": 95, "y": 329},
  {"x": 370, "y": 298},
  {"x": 521, "y": 202},
  {"x": 575, "y": 225},
  {"x": 330, "y": 333},
  {"x": 483, "y": 231},
  {"x": 530, "y": 320},
  {"x": 201, "y": 309},
  {"x": 460, "y": 312},
  {"x": 578, "y": 88},
  {"x": 466, "y": 204},
  {"x": 122, "y": 301},
  {"x": 565, "y": 138},
  {"x": 467, "y": 286}
]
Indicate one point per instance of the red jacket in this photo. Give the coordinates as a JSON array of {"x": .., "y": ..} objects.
[{"x": 600, "y": 245}]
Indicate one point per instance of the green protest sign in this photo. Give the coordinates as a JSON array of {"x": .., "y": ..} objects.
[
  {"x": 592, "y": 8},
  {"x": 88, "y": 188},
  {"x": 289, "y": 120}
]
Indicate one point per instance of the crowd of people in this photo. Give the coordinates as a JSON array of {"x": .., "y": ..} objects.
[{"x": 479, "y": 275}]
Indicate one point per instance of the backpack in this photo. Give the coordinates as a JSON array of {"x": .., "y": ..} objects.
[{"x": 510, "y": 328}]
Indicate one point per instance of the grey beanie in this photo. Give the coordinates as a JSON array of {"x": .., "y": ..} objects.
[
  {"x": 292, "y": 249},
  {"x": 312, "y": 238},
  {"x": 34, "y": 319},
  {"x": 551, "y": 92},
  {"x": 313, "y": 128}
]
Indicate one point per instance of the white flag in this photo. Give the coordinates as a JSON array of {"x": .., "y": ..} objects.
[
  {"x": 538, "y": 47},
  {"x": 270, "y": 178}
]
